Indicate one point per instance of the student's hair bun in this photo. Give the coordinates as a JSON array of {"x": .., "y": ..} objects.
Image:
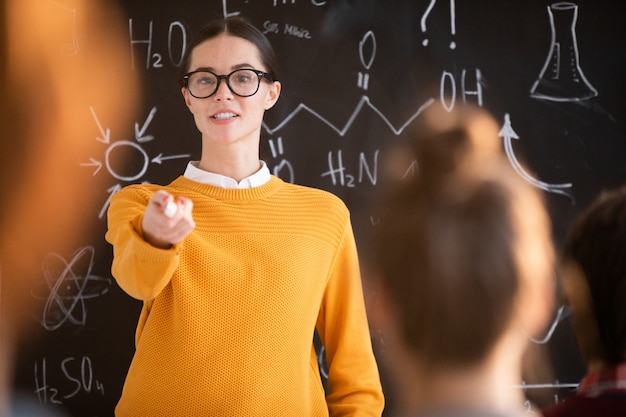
[
  {"x": 453, "y": 236},
  {"x": 442, "y": 140}
]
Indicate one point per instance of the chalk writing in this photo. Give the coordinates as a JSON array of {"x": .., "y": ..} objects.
[
  {"x": 410, "y": 48},
  {"x": 274, "y": 3},
  {"x": 76, "y": 377},
  {"x": 448, "y": 89},
  {"x": 429, "y": 8},
  {"x": 285, "y": 2},
  {"x": 558, "y": 318},
  {"x": 284, "y": 169},
  {"x": 288, "y": 29},
  {"x": 556, "y": 384},
  {"x": 140, "y": 133},
  {"x": 561, "y": 78},
  {"x": 321, "y": 362},
  {"x": 339, "y": 175},
  {"x": 507, "y": 133},
  {"x": 120, "y": 148},
  {"x": 67, "y": 286},
  {"x": 225, "y": 11},
  {"x": 155, "y": 59},
  {"x": 270, "y": 27},
  {"x": 368, "y": 42},
  {"x": 296, "y": 31},
  {"x": 341, "y": 131}
]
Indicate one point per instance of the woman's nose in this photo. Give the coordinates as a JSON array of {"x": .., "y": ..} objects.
[{"x": 223, "y": 91}]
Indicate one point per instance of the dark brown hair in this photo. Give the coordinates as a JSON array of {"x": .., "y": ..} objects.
[
  {"x": 239, "y": 27},
  {"x": 447, "y": 245},
  {"x": 596, "y": 244}
]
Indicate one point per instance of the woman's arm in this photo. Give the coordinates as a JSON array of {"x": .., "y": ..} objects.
[{"x": 353, "y": 378}]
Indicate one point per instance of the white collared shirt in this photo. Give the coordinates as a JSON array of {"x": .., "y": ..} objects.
[{"x": 194, "y": 173}]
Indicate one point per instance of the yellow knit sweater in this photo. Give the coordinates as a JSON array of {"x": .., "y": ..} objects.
[{"x": 228, "y": 318}]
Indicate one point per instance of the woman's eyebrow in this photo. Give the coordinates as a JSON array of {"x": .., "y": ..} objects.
[
  {"x": 233, "y": 68},
  {"x": 205, "y": 69},
  {"x": 244, "y": 65}
]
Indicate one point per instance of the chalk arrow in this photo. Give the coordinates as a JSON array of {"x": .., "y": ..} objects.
[
  {"x": 160, "y": 158},
  {"x": 507, "y": 133},
  {"x": 105, "y": 134},
  {"x": 410, "y": 171},
  {"x": 560, "y": 315},
  {"x": 92, "y": 163},
  {"x": 140, "y": 133},
  {"x": 111, "y": 191}
]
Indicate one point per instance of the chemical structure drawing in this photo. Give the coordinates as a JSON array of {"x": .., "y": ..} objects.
[
  {"x": 284, "y": 169},
  {"x": 367, "y": 54}
]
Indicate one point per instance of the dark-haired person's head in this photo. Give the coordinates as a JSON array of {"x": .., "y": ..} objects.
[
  {"x": 594, "y": 278},
  {"x": 464, "y": 260},
  {"x": 462, "y": 243}
]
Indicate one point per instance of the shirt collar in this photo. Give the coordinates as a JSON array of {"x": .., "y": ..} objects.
[{"x": 194, "y": 173}]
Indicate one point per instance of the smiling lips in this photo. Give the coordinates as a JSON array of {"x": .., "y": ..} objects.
[{"x": 224, "y": 116}]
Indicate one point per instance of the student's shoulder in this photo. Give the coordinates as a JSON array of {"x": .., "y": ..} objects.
[{"x": 581, "y": 406}]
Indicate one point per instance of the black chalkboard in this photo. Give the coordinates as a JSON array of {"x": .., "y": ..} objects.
[{"x": 356, "y": 75}]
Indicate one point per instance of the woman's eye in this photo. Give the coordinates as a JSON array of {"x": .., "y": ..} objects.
[
  {"x": 206, "y": 81},
  {"x": 243, "y": 78}
]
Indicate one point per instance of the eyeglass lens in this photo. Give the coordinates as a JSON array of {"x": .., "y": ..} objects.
[{"x": 243, "y": 82}]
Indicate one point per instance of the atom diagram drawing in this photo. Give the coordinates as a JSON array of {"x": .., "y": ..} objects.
[{"x": 66, "y": 288}]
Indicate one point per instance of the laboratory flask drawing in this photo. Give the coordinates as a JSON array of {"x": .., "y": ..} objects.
[{"x": 561, "y": 78}]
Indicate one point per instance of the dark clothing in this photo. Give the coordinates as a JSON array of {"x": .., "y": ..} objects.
[
  {"x": 578, "y": 405},
  {"x": 600, "y": 394},
  {"x": 457, "y": 412}
]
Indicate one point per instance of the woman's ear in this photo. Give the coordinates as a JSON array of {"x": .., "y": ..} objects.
[
  {"x": 187, "y": 97},
  {"x": 272, "y": 95}
]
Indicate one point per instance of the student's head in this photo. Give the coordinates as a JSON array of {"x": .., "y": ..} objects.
[
  {"x": 57, "y": 65},
  {"x": 594, "y": 278},
  {"x": 464, "y": 248}
]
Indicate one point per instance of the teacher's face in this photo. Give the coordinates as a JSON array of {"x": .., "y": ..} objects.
[{"x": 226, "y": 118}]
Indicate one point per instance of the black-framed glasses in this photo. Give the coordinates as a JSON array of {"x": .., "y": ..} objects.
[{"x": 243, "y": 82}]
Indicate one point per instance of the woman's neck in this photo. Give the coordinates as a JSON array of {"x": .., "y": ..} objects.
[{"x": 235, "y": 165}]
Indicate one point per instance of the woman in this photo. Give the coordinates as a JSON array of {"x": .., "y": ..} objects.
[
  {"x": 237, "y": 268},
  {"x": 464, "y": 264}
]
